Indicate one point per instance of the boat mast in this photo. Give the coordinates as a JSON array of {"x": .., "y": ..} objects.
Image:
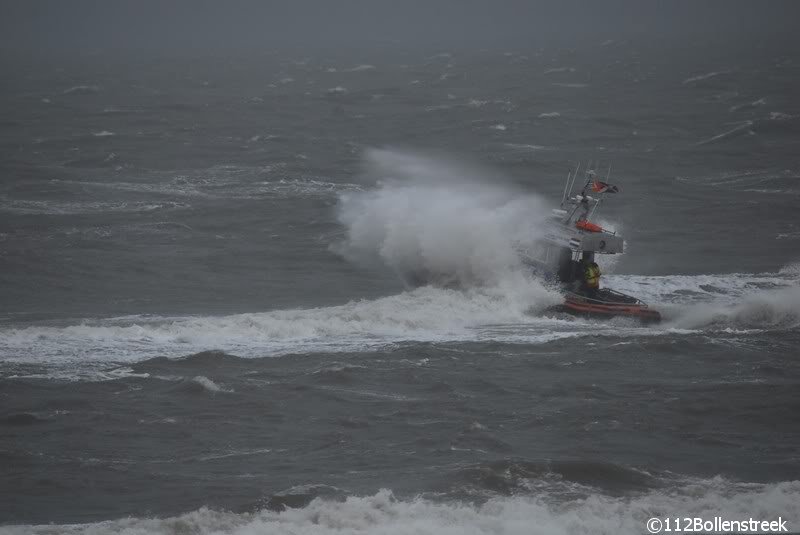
[
  {"x": 566, "y": 186},
  {"x": 572, "y": 184}
]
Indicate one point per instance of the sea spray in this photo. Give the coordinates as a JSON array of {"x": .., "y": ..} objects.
[
  {"x": 763, "y": 309},
  {"x": 720, "y": 301},
  {"x": 436, "y": 221}
]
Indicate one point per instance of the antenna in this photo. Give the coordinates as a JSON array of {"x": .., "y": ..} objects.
[
  {"x": 572, "y": 184},
  {"x": 596, "y": 204},
  {"x": 608, "y": 174},
  {"x": 566, "y": 185},
  {"x": 588, "y": 177}
]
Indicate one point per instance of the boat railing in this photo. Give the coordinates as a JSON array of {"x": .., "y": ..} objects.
[{"x": 628, "y": 299}]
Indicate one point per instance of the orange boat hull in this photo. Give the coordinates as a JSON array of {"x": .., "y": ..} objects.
[{"x": 600, "y": 310}]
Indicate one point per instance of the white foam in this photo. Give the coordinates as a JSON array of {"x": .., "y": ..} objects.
[
  {"x": 739, "y": 300},
  {"x": 116, "y": 109},
  {"x": 425, "y": 314},
  {"x": 559, "y": 69},
  {"x": 438, "y": 107},
  {"x": 81, "y": 89},
  {"x": 752, "y": 178},
  {"x": 728, "y": 133},
  {"x": 503, "y": 103},
  {"x": 764, "y": 310},
  {"x": 232, "y": 453},
  {"x": 792, "y": 271},
  {"x": 103, "y": 133},
  {"x": 755, "y": 103},
  {"x": 728, "y": 288},
  {"x": 788, "y": 235},
  {"x": 526, "y": 146},
  {"x": 549, "y": 115},
  {"x": 508, "y": 310},
  {"x": 499, "y": 126},
  {"x": 383, "y": 514},
  {"x": 22, "y": 206},
  {"x": 208, "y": 384},
  {"x": 701, "y": 77},
  {"x": 228, "y": 182},
  {"x": 361, "y": 68}
]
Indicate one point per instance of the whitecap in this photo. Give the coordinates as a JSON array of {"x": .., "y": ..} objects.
[
  {"x": 728, "y": 133},
  {"x": 361, "y": 68},
  {"x": 755, "y": 103},
  {"x": 701, "y": 77},
  {"x": 81, "y": 90},
  {"x": 208, "y": 384},
  {"x": 526, "y": 146},
  {"x": 559, "y": 69}
]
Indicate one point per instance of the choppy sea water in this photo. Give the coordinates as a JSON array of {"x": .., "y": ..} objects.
[{"x": 204, "y": 325}]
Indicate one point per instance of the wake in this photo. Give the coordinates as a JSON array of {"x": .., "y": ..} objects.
[{"x": 767, "y": 301}]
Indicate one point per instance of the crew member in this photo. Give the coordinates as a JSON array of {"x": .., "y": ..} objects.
[{"x": 591, "y": 279}]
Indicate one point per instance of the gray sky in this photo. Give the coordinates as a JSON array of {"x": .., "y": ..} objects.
[{"x": 203, "y": 26}]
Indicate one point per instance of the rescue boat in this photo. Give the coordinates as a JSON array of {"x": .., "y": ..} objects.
[{"x": 571, "y": 242}]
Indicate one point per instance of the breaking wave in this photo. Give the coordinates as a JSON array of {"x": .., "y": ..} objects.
[{"x": 383, "y": 513}]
